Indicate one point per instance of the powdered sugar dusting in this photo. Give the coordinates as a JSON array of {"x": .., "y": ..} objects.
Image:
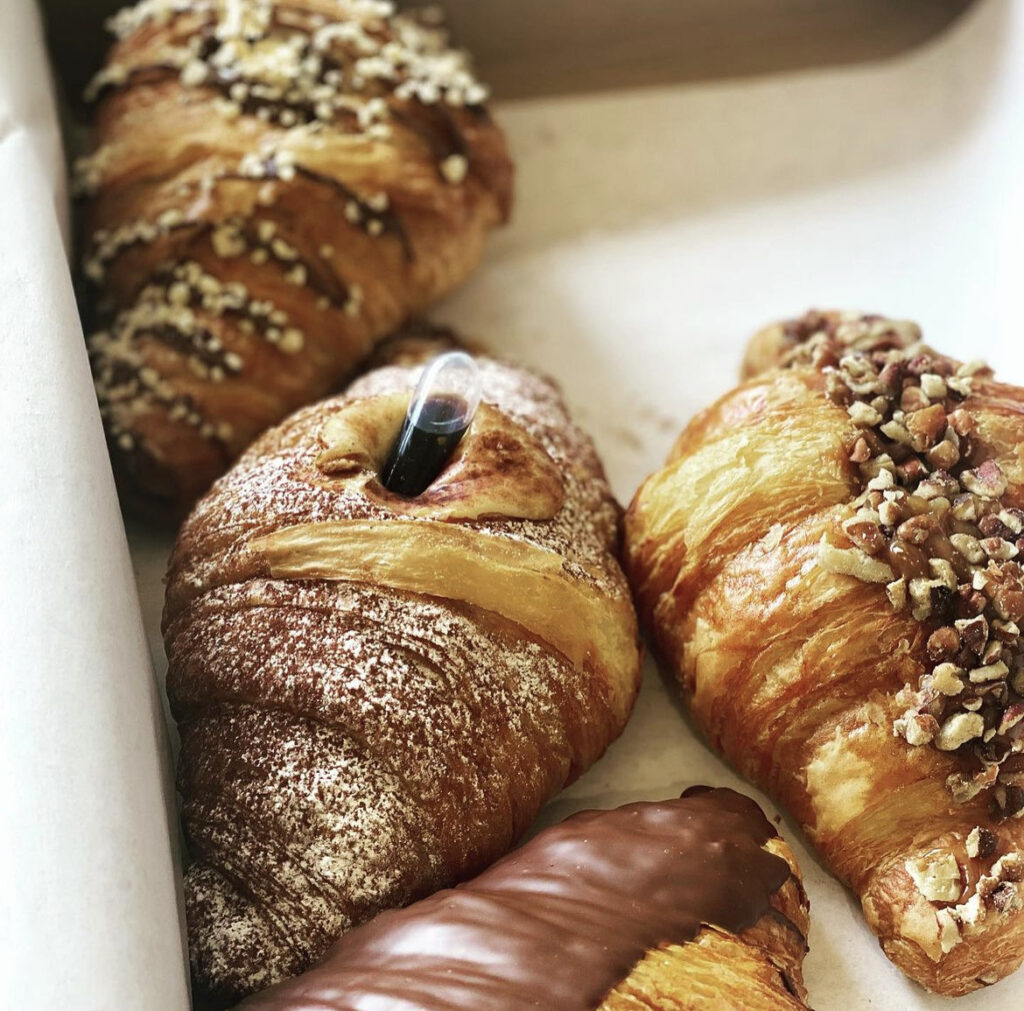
[
  {"x": 348, "y": 747},
  {"x": 277, "y": 484}
]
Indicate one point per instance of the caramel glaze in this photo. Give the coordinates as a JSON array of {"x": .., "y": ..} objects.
[{"x": 561, "y": 922}]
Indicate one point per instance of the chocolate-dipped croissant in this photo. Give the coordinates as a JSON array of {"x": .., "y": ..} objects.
[
  {"x": 688, "y": 904},
  {"x": 830, "y": 561},
  {"x": 274, "y": 187},
  {"x": 376, "y": 694}
]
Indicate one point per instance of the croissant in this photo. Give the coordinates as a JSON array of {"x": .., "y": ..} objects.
[
  {"x": 829, "y": 561},
  {"x": 687, "y": 904},
  {"x": 274, "y": 187},
  {"x": 377, "y": 694}
]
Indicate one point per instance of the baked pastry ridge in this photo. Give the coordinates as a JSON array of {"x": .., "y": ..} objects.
[
  {"x": 686, "y": 904},
  {"x": 829, "y": 561},
  {"x": 377, "y": 694},
  {"x": 274, "y": 187}
]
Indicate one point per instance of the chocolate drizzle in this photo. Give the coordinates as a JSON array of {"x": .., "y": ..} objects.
[
  {"x": 390, "y": 222},
  {"x": 561, "y": 922}
]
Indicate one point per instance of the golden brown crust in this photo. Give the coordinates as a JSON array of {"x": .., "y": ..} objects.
[
  {"x": 274, "y": 187},
  {"x": 373, "y": 696},
  {"x": 760, "y": 969},
  {"x": 799, "y": 674}
]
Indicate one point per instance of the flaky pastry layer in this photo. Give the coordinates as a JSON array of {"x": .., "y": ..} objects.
[
  {"x": 798, "y": 672},
  {"x": 274, "y": 187},
  {"x": 375, "y": 696}
]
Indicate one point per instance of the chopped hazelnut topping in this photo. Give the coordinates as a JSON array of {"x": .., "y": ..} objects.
[
  {"x": 943, "y": 644},
  {"x": 946, "y": 679},
  {"x": 854, "y": 562},
  {"x": 997, "y": 548},
  {"x": 969, "y": 547},
  {"x": 949, "y": 930},
  {"x": 991, "y": 672},
  {"x": 996, "y": 893},
  {"x": 890, "y": 513},
  {"x": 931, "y": 522},
  {"x": 896, "y": 591},
  {"x": 987, "y": 481},
  {"x": 958, "y": 730},
  {"x": 194, "y": 73},
  {"x": 933, "y": 386},
  {"x": 980, "y": 843},
  {"x": 1012, "y": 717},
  {"x": 863, "y": 414},
  {"x": 926, "y": 426},
  {"x": 937, "y": 876},
  {"x": 917, "y": 728},
  {"x": 944, "y": 455}
]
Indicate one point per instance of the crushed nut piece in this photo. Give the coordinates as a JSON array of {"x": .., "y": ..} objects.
[
  {"x": 949, "y": 930},
  {"x": 916, "y": 728},
  {"x": 946, "y": 679},
  {"x": 937, "y": 876},
  {"x": 981, "y": 843},
  {"x": 993, "y": 672},
  {"x": 853, "y": 562},
  {"x": 987, "y": 481},
  {"x": 932, "y": 525},
  {"x": 958, "y": 730},
  {"x": 933, "y": 386}
]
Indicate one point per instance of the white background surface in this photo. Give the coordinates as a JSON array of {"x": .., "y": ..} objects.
[
  {"x": 655, "y": 230},
  {"x": 88, "y": 915}
]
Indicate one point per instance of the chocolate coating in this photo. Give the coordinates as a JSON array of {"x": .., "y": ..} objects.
[{"x": 559, "y": 923}]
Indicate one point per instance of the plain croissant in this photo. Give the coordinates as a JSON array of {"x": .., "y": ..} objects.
[
  {"x": 274, "y": 187},
  {"x": 830, "y": 562},
  {"x": 684, "y": 905},
  {"x": 377, "y": 694}
]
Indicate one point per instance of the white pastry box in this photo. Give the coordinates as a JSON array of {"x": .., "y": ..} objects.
[{"x": 688, "y": 169}]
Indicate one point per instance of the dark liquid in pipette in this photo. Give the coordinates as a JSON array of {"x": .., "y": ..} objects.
[{"x": 419, "y": 454}]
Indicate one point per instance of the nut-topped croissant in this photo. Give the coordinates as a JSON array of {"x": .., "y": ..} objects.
[
  {"x": 831, "y": 562},
  {"x": 376, "y": 694},
  {"x": 689, "y": 904},
  {"x": 274, "y": 187}
]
